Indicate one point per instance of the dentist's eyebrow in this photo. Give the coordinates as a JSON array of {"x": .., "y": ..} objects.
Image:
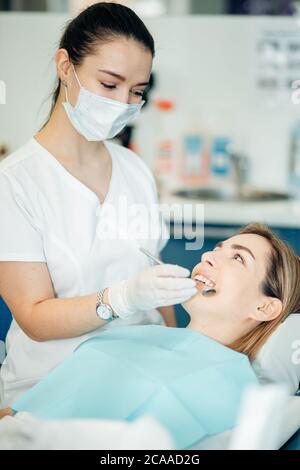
[
  {"x": 120, "y": 77},
  {"x": 237, "y": 247}
]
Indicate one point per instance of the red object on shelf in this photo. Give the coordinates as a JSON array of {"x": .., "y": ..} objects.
[{"x": 164, "y": 105}]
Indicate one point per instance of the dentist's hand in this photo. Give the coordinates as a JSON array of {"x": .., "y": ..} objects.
[{"x": 158, "y": 286}]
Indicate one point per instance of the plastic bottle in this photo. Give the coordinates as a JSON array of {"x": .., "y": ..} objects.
[
  {"x": 220, "y": 162},
  {"x": 193, "y": 147},
  {"x": 166, "y": 148},
  {"x": 194, "y": 150}
]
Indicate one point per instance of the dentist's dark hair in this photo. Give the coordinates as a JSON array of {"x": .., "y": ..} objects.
[{"x": 100, "y": 23}]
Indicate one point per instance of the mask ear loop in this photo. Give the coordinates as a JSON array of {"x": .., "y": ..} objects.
[
  {"x": 76, "y": 75},
  {"x": 66, "y": 85},
  {"x": 66, "y": 90}
]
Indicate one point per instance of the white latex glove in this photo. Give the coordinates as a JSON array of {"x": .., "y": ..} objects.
[{"x": 158, "y": 286}]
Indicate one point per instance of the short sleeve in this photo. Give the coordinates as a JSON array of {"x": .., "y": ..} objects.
[{"x": 20, "y": 239}]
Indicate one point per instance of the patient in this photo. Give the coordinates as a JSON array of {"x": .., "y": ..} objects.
[
  {"x": 257, "y": 278},
  {"x": 190, "y": 379}
]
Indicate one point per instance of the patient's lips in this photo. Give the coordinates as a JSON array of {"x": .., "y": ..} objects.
[
  {"x": 205, "y": 285},
  {"x": 202, "y": 280}
]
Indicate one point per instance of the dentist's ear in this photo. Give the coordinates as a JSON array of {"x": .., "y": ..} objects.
[
  {"x": 270, "y": 310},
  {"x": 63, "y": 64}
]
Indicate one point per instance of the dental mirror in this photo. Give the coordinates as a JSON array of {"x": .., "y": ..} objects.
[
  {"x": 147, "y": 253},
  {"x": 208, "y": 292}
]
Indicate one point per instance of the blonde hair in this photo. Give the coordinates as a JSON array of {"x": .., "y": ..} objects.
[{"x": 282, "y": 281}]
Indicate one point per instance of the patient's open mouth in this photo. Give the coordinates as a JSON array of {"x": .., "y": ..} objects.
[{"x": 202, "y": 281}]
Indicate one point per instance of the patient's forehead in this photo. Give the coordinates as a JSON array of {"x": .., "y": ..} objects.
[{"x": 259, "y": 245}]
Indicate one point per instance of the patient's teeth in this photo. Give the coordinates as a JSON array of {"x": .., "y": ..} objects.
[{"x": 207, "y": 282}]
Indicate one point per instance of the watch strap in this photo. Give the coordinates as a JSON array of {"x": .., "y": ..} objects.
[{"x": 99, "y": 301}]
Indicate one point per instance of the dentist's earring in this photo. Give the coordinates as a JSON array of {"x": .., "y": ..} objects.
[{"x": 64, "y": 83}]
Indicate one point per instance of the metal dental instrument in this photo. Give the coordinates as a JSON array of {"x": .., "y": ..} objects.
[
  {"x": 205, "y": 293},
  {"x": 147, "y": 253}
]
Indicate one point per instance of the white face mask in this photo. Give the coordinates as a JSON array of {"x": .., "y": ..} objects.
[{"x": 98, "y": 118}]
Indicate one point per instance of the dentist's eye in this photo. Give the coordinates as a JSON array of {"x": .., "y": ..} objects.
[
  {"x": 239, "y": 258},
  {"x": 138, "y": 93},
  {"x": 110, "y": 87}
]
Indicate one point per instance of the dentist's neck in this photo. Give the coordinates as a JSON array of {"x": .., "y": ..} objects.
[{"x": 62, "y": 139}]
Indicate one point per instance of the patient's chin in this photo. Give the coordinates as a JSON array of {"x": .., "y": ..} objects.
[{"x": 194, "y": 304}]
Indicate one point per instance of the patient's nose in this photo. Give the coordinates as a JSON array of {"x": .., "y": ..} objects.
[{"x": 208, "y": 258}]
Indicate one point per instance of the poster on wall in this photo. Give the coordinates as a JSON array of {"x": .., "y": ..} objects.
[{"x": 277, "y": 65}]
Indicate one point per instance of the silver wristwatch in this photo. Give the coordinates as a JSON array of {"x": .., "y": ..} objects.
[{"x": 104, "y": 311}]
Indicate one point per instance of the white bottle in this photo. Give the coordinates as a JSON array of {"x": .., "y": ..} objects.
[{"x": 166, "y": 145}]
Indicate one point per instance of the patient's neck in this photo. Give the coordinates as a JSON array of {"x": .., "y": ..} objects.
[{"x": 221, "y": 332}]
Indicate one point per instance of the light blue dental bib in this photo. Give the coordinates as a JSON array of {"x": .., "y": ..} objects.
[{"x": 190, "y": 383}]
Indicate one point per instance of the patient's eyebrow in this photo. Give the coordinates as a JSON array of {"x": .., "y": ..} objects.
[
  {"x": 241, "y": 247},
  {"x": 219, "y": 245},
  {"x": 237, "y": 247}
]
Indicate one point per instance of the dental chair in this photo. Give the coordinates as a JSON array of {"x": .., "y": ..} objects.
[{"x": 5, "y": 320}]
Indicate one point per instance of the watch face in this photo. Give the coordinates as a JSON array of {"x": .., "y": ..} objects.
[{"x": 104, "y": 312}]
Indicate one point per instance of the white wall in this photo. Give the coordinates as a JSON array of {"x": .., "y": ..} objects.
[{"x": 27, "y": 44}]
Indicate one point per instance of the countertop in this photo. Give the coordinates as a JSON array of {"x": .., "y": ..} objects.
[{"x": 284, "y": 214}]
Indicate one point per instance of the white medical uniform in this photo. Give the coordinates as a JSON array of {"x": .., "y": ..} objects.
[{"x": 48, "y": 215}]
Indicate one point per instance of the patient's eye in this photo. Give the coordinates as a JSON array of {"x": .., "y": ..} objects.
[{"x": 239, "y": 258}]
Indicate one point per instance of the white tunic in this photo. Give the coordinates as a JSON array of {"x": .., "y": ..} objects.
[{"x": 48, "y": 215}]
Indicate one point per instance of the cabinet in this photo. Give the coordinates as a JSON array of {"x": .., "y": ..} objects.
[{"x": 176, "y": 253}]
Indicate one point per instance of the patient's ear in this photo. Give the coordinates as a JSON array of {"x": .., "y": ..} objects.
[{"x": 269, "y": 310}]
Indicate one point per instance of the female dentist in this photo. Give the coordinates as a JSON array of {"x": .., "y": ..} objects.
[{"x": 62, "y": 275}]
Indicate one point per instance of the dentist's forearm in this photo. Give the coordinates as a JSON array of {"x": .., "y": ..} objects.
[
  {"x": 72, "y": 317},
  {"x": 65, "y": 318}
]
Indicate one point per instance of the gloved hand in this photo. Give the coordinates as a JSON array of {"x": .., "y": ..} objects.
[{"x": 158, "y": 286}]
